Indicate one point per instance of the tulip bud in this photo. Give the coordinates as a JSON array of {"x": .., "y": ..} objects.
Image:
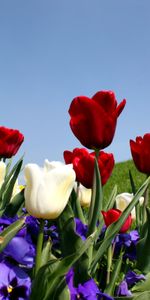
[
  {"x": 48, "y": 189},
  {"x": 124, "y": 199},
  {"x": 84, "y": 195},
  {"x": 10, "y": 141},
  {"x": 140, "y": 150},
  {"x": 113, "y": 215},
  {"x": 93, "y": 120},
  {"x": 83, "y": 164}
]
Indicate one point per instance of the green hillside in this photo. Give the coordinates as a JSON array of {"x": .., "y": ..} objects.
[{"x": 120, "y": 176}]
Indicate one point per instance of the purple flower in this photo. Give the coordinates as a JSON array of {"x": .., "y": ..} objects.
[
  {"x": 69, "y": 280},
  {"x": 49, "y": 231},
  {"x": 5, "y": 221},
  {"x": 20, "y": 248},
  {"x": 21, "y": 251},
  {"x": 32, "y": 226},
  {"x": 129, "y": 241},
  {"x": 14, "y": 283},
  {"x": 86, "y": 291},
  {"x": 81, "y": 229},
  {"x": 126, "y": 239},
  {"x": 134, "y": 236},
  {"x": 123, "y": 290},
  {"x": 52, "y": 231},
  {"x": 90, "y": 291},
  {"x": 132, "y": 278}
]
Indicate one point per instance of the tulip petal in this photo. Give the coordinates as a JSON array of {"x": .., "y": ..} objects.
[
  {"x": 107, "y": 100},
  {"x": 48, "y": 189},
  {"x": 2, "y": 172}
]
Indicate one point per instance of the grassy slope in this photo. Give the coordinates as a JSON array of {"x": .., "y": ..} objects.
[{"x": 120, "y": 176}]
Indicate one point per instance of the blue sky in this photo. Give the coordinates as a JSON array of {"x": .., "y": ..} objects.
[{"x": 52, "y": 51}]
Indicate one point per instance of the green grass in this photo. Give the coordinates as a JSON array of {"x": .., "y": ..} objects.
[{"x": 120, "y": 176}]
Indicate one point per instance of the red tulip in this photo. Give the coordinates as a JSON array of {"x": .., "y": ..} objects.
[
  {"x": 83, "y": 164},
  {"x": 93, "y": 121},
  {"x": 140, "y": 150},
  {"x": 10, "y": 141},
  {"x": 113, "y": 215}
]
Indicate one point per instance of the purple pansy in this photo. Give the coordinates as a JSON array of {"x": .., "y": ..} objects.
[
  {"x": 70, "y": 283},
  {"x": 85, "y": 291},
  {"x": 21, "y": 251},
  {"x": 52, "y": 231},
  {"x": 126, "y": 239},
  {"x": 90, "y": 291},
  {"x": 5, "y": 221},
  {"x": 49, "y": 231},
  {"x": 129, "y": 241},
  {"x": 123, "y": 290},
  {"x": 130, "y": 279},
  {"x": 14, "y": 283},
  {"x": 81, "y": 229},
  {"x": 20, "y": 248}
]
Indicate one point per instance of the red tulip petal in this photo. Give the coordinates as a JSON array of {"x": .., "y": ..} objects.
[
  {"x": 120, "y": 107},
  {"x": 107, "y": 100}
]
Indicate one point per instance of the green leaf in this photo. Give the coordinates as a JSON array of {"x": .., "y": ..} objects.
[
  {"x": 8, "y": 176},
  {"x": 76, "y": 206},
  {"x": 123, "y": 298},
  {"x": 46, "y": 251},
  {"x": 132, "y": 182},
  {"x": 142, "y": 296},
  {"x": 114, "y": 228},
  {"x": 62, "y": 292},
  {"x": 69, "y": 240},
  {"x": 8, "y": 233},
  {"x": 108, "y": 205},
  {"x": 49, "y": 276},
  {"x": 143, "y": 247},
  {"x": 142, "y": 286},
  {"x": 13, "y": 207},
  {"x": 8, "y": 166},
  {"x": 8, "y": 185}
]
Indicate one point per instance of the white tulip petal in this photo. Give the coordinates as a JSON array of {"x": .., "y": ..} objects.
[
  {"x": 84, "y": 195},
  {"x": 123, "y": 200},
  {"x": 48, "y": 189},
  {"x": 2, "y": 172}
]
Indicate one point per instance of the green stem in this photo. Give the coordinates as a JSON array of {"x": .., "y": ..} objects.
[
  {"x": 96, "y": 201},
  {"x": 39, "y": 246},
  {"x": 97, "y": 151},
  {"x": 114, "y": 276},
  {"x": 146, "y": 197},
  {"x": 146, "y": 201},
  {"x": 78, "y": 207},
  {"x": 109, "y": 263}
]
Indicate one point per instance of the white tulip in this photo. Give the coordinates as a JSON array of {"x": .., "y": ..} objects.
[
  {"x": 123, "y": 200},
  {"x": 48, "y": 189},
  {"x": 84, "y": 195},
  {"x": 2, "y": 172}
]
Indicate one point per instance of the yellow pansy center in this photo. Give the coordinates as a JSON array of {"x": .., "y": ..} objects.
[{"x": 9, "y": 289}]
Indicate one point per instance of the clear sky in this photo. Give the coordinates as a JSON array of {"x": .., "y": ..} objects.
[{"x": 52, "y": 51}]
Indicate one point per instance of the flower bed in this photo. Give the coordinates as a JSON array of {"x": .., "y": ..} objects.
[{"x": 59, "y": 240}]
